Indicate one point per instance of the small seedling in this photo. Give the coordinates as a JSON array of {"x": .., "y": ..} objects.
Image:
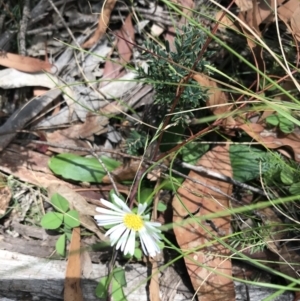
[{"x": 62, "y": 220}]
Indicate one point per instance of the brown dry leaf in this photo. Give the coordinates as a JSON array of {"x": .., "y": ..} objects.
[
  {"x": 217, "y": 101},
  {"x": 78, "y": 203},
  {"x": 102, "y": 24},
  {"x": 295, "y": 23},
  {"x": 72, "y": 288},
  {"x": 289, "y": 260},
  {"x": 226, "y": 22},
  {"x": 24, "y": 63},
  {"x": 29, "y": 166},
  {"x": 287, "y": 10},
  {"x": 5, "y": 197},
  {"x": 200, "y": 201},
  {"x": 187, "y": 7},
  {"x": 244, "y": 5},
  {"x": 256, "y": 48},
  {"x": 272, "y": 139},
  {"x": 38, "y": 91},
  {"x": 73, "y": 135},
  {"x": 124, "y": 35},
  {"x": 261, "y": 12},
  {"x": 124, "y": 172}
]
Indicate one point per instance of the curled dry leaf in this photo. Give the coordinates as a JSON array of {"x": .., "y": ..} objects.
[
  {"x": 73, "y": 136},
  {"x": 124, "y": 172},
  {"x": 217, "y": 99},
  {"x": 289, "y": 261},
  {"x": 295, "y": 23},
  {"x": 209, "y": 266},
  {"x": 24, "y": 63},
  {"x": 102, "y": 24},
  {"x": 125, "y": 42},
  {"x": 29, "y": 166},
  {"x": 273, "y": 139}
]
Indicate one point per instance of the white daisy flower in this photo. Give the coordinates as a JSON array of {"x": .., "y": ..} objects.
[{"x": 127, "y": 225}]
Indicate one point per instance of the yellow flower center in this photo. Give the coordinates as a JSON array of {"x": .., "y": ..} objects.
[{"x": 133, "y": 221}]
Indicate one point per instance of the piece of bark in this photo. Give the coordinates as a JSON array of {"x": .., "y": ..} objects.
[
  {"x": 36, "y": 248},
  {"x": 44, "y": 278},
  {"x": 18, "y": 120},
  {"x": 20, "y": 274}
]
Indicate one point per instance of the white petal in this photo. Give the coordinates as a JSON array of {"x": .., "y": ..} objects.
[
  {"x": 129, "y": 248},
  {"x": 150, "y": 226},
  {"x": 122, "y": 241},
  {"x": 108, "y": 217},
  {"x": 107, "y": 222},
  {"x": 115, "y": 233},
  {"x": 149, "y": 243},
  {"x": 108, "y": 211},
  {"x": 144, "y": 247},
  {"x": 120, "y": 203},
  {"x": 111, "y": 206},
  {"x": 141, "y": 208}
]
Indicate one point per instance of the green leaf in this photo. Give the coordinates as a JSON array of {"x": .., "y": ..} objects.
[
  {"x": 272, "y": 120},
  {"x": 287, "y": 177},
  {"x": 119, "y": 275},
  {"x": 71, "y": 219},
  {"x": 59, "y": 203},
  {"x": 246, "y": 161},
  {"x": 117, "y": 291},
  {"x": 52, "y": 220},
  {"x": 77, "y": 168},
  {"x": 176, "y": 181},
  {"x": 161, "y": 207},
  {"x": 68, "y": 235},
  {"x": 295, "y": 189},
  {"x": 143, "y": 196},
  {"x": 285, "y": 125},
  {"x": 101, "y": 289},
  {"x": 60, "y": 245},
  {"x": 138, "y": 254},
  {"x": 193, "y": 151},
  {"x": 171, "y": 137},
  {"x": 112, "y": 195}
]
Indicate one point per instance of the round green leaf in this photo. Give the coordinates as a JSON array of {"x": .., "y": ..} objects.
[
  {"x": 161, "y": 206},
  {"x": 117, "y": 291},
  {"x": 52, "y": 220},
  {"x": 77, "y": 168},
  {"x": 101, "y": 289},
  {"x": 193, "y": 151},
  {"x": 272, "y": 120},
  {"x": 286, "y": 177},
  {"x": 60, "y": 245},
  {"x": 71, "y": 219},
  {"x": 138, "y": 254},
  {"x": 285, "y": 125},
  {"x": 119, "y": 275},
  {"x": 59, "y": 203},
  {"x": 295, "y": 189},
  {"x": 143, "y": 196},
  {"x": 246, "y": 162}
]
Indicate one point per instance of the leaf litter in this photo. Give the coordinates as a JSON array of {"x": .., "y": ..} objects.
[{"x": 93, "y": 90}]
